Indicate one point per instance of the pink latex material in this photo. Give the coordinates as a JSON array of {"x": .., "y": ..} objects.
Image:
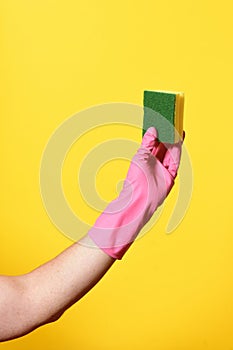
[{"x": 149, "y": 180}]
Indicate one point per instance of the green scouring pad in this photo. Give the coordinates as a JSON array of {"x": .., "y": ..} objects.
[{"x": 164, "y": 111}]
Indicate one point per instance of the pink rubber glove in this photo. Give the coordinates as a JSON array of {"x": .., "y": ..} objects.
[{"x": 149, "y": 180}]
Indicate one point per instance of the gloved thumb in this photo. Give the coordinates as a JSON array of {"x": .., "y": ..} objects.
[{"x": 150, "y": 138}]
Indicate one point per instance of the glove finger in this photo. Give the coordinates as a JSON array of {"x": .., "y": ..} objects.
[
  {"x": 149, "y": 139},
  {"x": 171, "y": 159}
]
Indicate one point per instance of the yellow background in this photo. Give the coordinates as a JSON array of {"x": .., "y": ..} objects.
[{"x": 170, "y": 292}]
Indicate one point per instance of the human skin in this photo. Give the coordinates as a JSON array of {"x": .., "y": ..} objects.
[{"x": 41, "y": 296}]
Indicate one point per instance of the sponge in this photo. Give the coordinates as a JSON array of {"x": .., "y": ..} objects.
[{"x": 164, "y": 111}]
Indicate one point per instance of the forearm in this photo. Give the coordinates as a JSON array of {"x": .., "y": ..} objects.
[{"x": 42, "y": 295}]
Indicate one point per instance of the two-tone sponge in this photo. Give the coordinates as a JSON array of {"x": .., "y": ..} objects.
[{"x": 164, "y": 110}]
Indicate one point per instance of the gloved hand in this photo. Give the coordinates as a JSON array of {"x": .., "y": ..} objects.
[{"x": 149, "y": 180}]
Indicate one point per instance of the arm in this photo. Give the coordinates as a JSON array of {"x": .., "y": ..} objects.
[{"x": 41, "y": 296}]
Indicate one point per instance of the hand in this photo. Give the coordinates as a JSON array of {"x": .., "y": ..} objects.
[{"x": 149, "y": 180}]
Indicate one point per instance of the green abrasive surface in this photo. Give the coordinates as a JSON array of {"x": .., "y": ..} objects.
[{"x": 159, "y": 111}]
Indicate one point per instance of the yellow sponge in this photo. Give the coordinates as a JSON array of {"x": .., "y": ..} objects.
[{"x": 164, "y": 110}]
